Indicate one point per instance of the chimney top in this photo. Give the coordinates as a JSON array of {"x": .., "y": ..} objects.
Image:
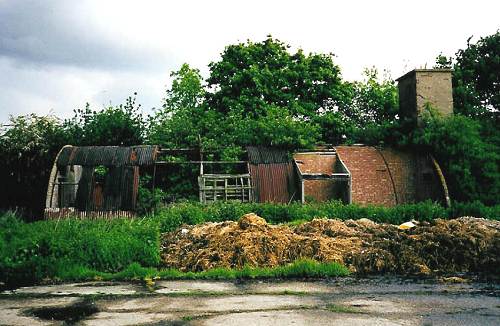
[
  {"x": 414, "y": 71},
  {"x": 422, "y": 87}
]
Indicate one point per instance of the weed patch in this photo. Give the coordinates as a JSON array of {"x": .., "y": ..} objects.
[
  {"x": 73, "y": 249},
  {"x": 342, "y": 309}
]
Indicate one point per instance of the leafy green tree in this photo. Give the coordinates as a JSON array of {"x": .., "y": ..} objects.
[
  {"x": 122, "y": 125},
  {"x": 476, "y": 77},
  {"x": 373, "y": 108},
  {"x": 374, "y": 100},
  {"x": 28, "y": 148},
  {"x": 181, "y": 120},
  {"x": 443, "y": 62},
  {"x": 252, "y": 79},
  {"x": 469, "y": 160}
]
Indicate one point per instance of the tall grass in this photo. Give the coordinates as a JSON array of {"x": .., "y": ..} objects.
[
  {"x": 30, "y": 252},
  {"x": 174, "y": 215},
  {"x": 304, "y": 268}
]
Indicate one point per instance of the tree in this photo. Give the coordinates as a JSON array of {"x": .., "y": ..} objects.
[
  {"x": 121, "y": 125},
  {"x": 468, "y": 158},
  {"x": 180, "y": 121},
  {"x": 476, "y": 77},
  {"x": 253, "y": 79},
  {"x": 372, "y": 110},
  {"x": 28, "y": 148}
]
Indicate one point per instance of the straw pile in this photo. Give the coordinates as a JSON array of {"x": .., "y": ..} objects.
[{"x": 461, "y": 245}]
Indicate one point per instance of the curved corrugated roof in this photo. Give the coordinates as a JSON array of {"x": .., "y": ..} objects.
[{"x": 107, "y": 155}]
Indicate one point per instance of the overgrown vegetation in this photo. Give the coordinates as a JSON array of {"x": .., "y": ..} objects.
[
  {"x": 118, "y": 249},
  {"x": 125, "y": 249},
  {"x": 304, "y": 268},
  {"x": 30, "y": 252},
  {"x": 177, "y": 214}
]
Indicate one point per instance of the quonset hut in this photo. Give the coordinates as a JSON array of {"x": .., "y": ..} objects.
[{"x": 96, "y": 181}]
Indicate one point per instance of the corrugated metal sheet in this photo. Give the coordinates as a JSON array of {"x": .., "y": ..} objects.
[
  {"x": 273, "y": 175},
  {"x": 117, "y": 192},
  {"x": 108, "y": 155},
  {"x": 267, "y": 155}
]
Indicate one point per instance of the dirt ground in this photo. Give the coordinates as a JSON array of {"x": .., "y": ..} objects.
[{"x": 465, "y": 244}]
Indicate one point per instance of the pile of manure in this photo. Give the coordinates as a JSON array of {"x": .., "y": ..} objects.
[{"x": 465, "y": 244}]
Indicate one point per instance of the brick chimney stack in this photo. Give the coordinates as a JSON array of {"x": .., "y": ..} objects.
[{"x": 421, "y": 87}]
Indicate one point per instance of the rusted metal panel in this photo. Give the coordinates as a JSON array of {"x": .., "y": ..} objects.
[
  {"x": 65, "y": 155},
  {"x": 84, "y": 191},
  {"x": 273, "y": 175},
  {"x": 274, "y": 183},
  {"x": 108, "y": 155},
  {"x": 144, "y": 155}
]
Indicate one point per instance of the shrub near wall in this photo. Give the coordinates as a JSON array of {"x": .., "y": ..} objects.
[
  {"x": 175, "y": 215},
  {"x": 476, "y": 209},
  {"x": 31, "y": 252}
]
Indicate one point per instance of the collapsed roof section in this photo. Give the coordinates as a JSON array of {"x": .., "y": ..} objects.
[{"x": 323, "y": 176}]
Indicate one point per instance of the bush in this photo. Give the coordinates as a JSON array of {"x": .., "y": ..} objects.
[
  {"x": 476, "y": 209},
  {"x": 31, "y": 252},
  {"x": 175, "y": 215}
]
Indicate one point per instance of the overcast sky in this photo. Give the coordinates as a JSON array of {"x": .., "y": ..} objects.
[{"x": 57, "y": 55}]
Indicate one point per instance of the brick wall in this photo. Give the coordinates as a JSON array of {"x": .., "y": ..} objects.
[
  {"x": 370, "y": 178},
  {"x": 388, "y": 177},
  {"x": 402, "y": 166},
  {"x": 319, "y": 190}
]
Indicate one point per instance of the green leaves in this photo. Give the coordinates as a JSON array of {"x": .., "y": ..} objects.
[
  {"x": 476, "y": 78},
  {"x": 467, "y": 153},
  {"x": 120, "y": 125}
]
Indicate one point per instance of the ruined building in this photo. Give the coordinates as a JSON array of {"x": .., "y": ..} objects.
[{"x": 103, "y": 181}]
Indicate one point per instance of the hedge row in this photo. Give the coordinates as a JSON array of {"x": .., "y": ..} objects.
[{"x": 175, "y": 215}]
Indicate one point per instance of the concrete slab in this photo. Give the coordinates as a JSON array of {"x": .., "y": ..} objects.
[
  {"x": 301, "y": 317},
  {"x": 211, "y": 304},
  {"x": 89, "y": 288},
  {"x": 169, "y": 287},
  {"x": 126, "y": 318},
  {"x": 342, "y": 301},
  {"x": 13, "y": 312}
]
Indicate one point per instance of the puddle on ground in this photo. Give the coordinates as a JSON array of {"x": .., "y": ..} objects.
[{"x": 68, "y": 314}]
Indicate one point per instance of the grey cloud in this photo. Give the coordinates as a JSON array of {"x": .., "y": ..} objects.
[{"x": 56, "y": 33}]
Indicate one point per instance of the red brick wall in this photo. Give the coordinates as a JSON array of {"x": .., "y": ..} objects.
[
  {"x": 320, "y": 190},
  {"x": 388, "y": 177},
  {"x": 370, "y": 178},
  {"x": 402, "y": 166},
  {"x": 315, "y": 163}
]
